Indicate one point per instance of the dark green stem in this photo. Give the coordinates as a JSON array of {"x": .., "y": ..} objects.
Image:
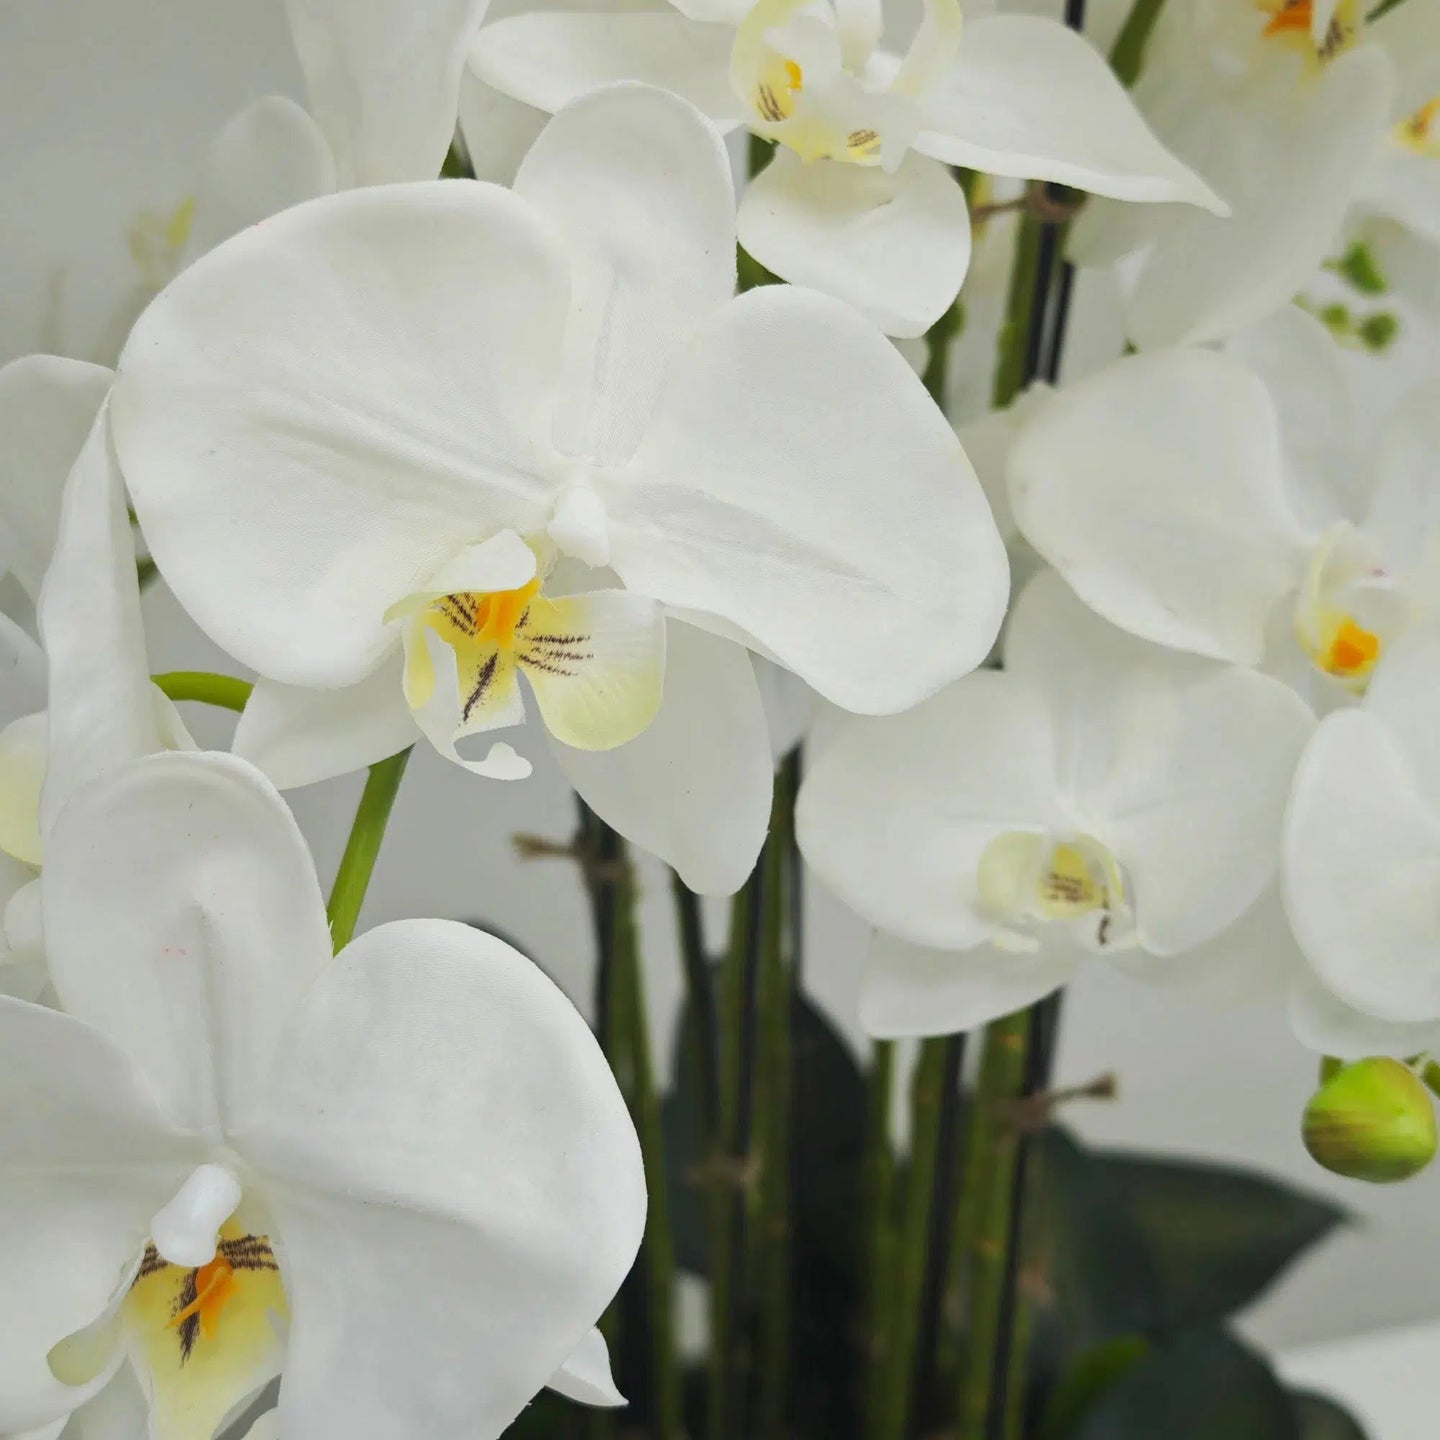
[
  {"x": 1020, "y": 304},
  {"x": 367, "y": 833},
  {"x": 224, "y": 691},
  {"x": 879, "y": 1227},
  {"x": 983, "y": 1221},
  {"x": 1128, "y": 52}
]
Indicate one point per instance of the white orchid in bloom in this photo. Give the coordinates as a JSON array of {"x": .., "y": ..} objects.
[
  {"x": 1280, "y": 105},
  {"x": 1230, "y": 506},
  {"x": 80, "y": 700},
  {"x": 406, "y": 1174},
  {"x": 400, "y": 448},
  {"x": 1099, "y": 796},
  {"x": 187, "y": 113},
  {"x": 858, "y": 200},
  {"x": 1362, "y": 865}
]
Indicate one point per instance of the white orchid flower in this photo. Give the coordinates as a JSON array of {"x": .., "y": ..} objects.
[
  {"x": 190, "y": 114},
  {"x": 1099, "y": 796},
  {"x": 1280, "y": 105},
  {"x": 1230, "y": 506},
  {"x": 407, "y": 1163},
  {"x": 63, "y": 521},
  {"x": 1362, "y": 864},
  {"x": 369, "y": 426},
  {"x": 858, "y": 200}
]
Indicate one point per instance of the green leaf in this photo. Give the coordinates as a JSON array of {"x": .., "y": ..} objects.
[
  {"x": 1320, "y": 1418},
  {"x": 1200, "y": 1385},
  {"x": 1091, "y": 1375},
  {"x": 1217, "y": 1236},
  {"x": 1097, "y": 1266}
]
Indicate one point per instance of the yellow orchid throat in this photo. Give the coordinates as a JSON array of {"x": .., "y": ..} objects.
[
  {"x": 1292, "y": 21},
  {"x": 1420, "y": 132},
  {"x": 1025, "y": 878}
]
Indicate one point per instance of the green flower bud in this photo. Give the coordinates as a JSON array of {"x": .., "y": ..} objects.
[{"x": 1372, "y": 1120}]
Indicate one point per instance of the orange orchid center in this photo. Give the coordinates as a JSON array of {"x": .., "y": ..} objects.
[
  {"x": 1293, "y": 15},
  {"x": 1352, "y": 651},
  {"x": 490, "y": 618},
  {"x": 1292, "y": 23},
  {"x": 215, "y": 1286}
]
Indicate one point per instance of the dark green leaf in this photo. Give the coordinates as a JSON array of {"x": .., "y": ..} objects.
[
  {"x": 1088, "y": 1378},
  {"x": 1200, "y": 1385},
  {"x": 1217, "y": 1236},
  {"x": 1320, "y": 1418}
]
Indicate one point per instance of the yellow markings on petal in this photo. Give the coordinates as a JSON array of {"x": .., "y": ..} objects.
[
  {"x": 1420, "y": 132},
  {"x": 202, "y": 1340},
  {"x": 158, "y": 241},
  {"x": 780, "y": 81},
  {"x": 1292, "y": 22},
  {"x": 1023, "y": 878}
]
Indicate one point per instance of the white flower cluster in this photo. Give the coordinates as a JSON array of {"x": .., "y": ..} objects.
[{"x": 408, "y": 448}]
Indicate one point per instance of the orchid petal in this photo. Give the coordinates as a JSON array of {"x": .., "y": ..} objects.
[
  {"x": 489, "y": 1262},
  {"x": 896, "y": 246},
  {"x": 586, "y": 1377},
  {"x": 47, "y": 406},
  {"x": 183, "y": 917},
  {"x": 549, "y": 58},
  {"x": 896, "y": 812},
  {"x": 638, "y": 184},
  {"x": 798, "y": 484},
  {"x": 1156, "y": 488},
  {"x": 384, "y": 80},
  {"x": 498, "y": 129},
  {"x": 1030, "y": 98},
  {"x": 694, "y": 788},
  {"x": 442, "y": 308},
  {"x": 909, "y": 989},
  {"x": 298, "y": 736}
]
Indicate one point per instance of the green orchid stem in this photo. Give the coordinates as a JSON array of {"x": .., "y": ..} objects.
[
  {"x": 627, "y": 1043},
  {"x": 982, "y": 1237},
  {"x": 1020, "y": 303},
  {"x": 1128, "y": 52},
  {"x": 878, "y": 1227},
  {"x": 224, "y": 691},
  {"x": 367, "y": 833},
  {"x": 773, "y": 1129},
  {"x": 893, "y": 1421}
]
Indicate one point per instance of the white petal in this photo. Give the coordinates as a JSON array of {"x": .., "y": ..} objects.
[
  {"x": 384, "y": 80},
  {"x": 268, "y": 157},
  {"x": 1362, "y": 867},
  {"x": 1030, "y": 98},
  {"x": 102, "y": 705},
  {"x": 798, "y": 483},
  {"x": 183, "y": 917},
  {"x": 1404, "y": 506},
  {"x": 1302, "y": 367},
  {"x": 596, "y": 665},
  {"x": 1323, "y": 1022},
  {"x": 909, "y": 989},
  {"x": 498, "y": 129},
  {"x": 1288, "y": 172},
  {"x": 23, "y": 756},
  {"x": 549, "y": 58},
  {"x": 695, "y": 787},
  {"x": 896, "y": 246},
  {"x": 1410, "y": 35},
  {"x": 118, "y": 1412},
  {"x": 22, "y": 672},
  {"x": 85, "y": 1160},
  {"x": 47, "y": 406},
  {"x": 1193, "y": 806},
  {"x": 638, "y": 184},
  {"x": 1156, "y": 488},
  {"x": 480, "y": 1159},
  {"x": 299, "y": 736},
  {"x": 896, "y": 812},
  {"x": 290, "y": 502},
  {"x": 586, "y": 1377}
]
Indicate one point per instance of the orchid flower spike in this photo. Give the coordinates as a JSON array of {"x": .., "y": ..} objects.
[
  {"x": 190, "y": 111},
  {"x": 1362, "y": 865},
  {"x": 859, "y": 200},
  {"x": 400, "y": 449},
  {"x": 1224, "y": 503},
  {"x": 1282, "y": 106},
  {"x": 1098, "y": 796},
  {"x": 406, "y": 1174}
]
